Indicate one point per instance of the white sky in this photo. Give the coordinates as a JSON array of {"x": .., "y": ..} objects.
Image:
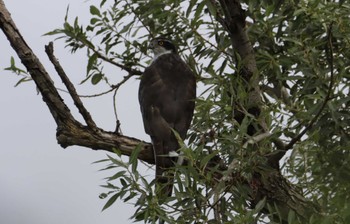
[{"x": 40, "y": 182}]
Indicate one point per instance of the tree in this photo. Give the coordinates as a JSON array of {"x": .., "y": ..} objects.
[{"x": 275, "y": 79}]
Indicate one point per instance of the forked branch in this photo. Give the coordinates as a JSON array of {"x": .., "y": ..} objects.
[{"x": 69, "y": 130}]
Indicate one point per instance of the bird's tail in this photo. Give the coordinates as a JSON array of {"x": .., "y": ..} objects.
[{"x": 164, "y": 176}]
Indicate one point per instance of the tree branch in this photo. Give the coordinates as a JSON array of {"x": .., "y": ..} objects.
[
  {"x": 234, "y": 23},
  {"x": 272, "y": 185},
  {"x": 70, "y": 87},
  {"x": 69, "y": 131},
  {"x": 41, "y": 78},
  {"x": 130, "y": 70}
]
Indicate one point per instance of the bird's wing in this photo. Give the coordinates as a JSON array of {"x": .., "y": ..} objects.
[{"x": 166, "y": 94}]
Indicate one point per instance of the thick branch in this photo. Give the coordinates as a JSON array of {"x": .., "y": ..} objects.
[
  {"x": 42, "y": 79},
  {"x": 234, "y": 23},
  {"x": 76, "y": 134},
  {"x": 272, "y": 185},
  {"x": 69, "y": 131}
]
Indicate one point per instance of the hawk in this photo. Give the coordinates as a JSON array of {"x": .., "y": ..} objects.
[{"x": 166, "y": 94}]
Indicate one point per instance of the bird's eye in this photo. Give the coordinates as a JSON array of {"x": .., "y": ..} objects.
[{"x": 161, "y": 43}]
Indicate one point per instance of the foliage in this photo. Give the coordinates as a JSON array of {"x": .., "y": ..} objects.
[
  {"x": 303, "y": 63},
  {"x": 20, "y": 72}
]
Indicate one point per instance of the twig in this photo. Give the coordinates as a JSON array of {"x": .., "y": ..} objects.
[
  {"x": 97, "y": 94},
  {"x": 139, "y": 18},
  {"x": 70, "y": 87},
  {"x": 256, "y": 139},
  {"x": 126, "y": 68},
  {"x": 118, "y": 124},
  {"x": 113, "y": 87}
]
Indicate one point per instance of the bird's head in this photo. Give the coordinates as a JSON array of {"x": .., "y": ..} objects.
[{"x": 161, "y": 46}]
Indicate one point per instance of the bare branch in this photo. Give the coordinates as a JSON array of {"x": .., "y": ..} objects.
[
  {"x": 77, "y": 134},
  {"x": 37, "y": 71},
  {"x": 71, "y": 89},
  {"x": 113, "y": 88},
  {"x": 69, "y": 131}
]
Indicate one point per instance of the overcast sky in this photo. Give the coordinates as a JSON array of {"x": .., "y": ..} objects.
[{"x": 40, "y": 182}]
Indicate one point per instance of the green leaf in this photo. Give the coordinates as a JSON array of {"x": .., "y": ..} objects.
[
  {"x": 133, "y": 157},
  {"x": 212, "y": 8},
  {"x": 95, "y": 11},
  {"x": 110, "y": 201},
  {"x": 12, "y": 62},
  {"x": 66, "y": 16},
  {"x": 123, "y": 182},
  {"x": 96, "y": 78},
  {"x": 94, "y": 20},
  {"x": 91, "y": 62},
  {"x": 207, "y": 158},
  {"x": 199, "y": 9},
  {"x": 108, "y": 168},
  {"x": 126, "y": 28},
  {"x": 110, "y": 186},
  {"x": 101, "y": 161},
  {"x": 102, "y": 3},
  {"x": 25, "y": 79},
  {"x": 117, "y": 175},
  {"x": 131, "y": 196},
  {"x": 260, "y": 205},
  {"x": 87, "y": 78},
  {"x": 103, "y": 195},
  {"x": 291, "y": 216},
  {"x": 117, "y": 162},
  {"x": 117, "y": 151}
]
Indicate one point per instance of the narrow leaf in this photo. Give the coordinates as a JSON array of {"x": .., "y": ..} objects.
[
  {"x": 117, "y": 175},
  {"x": 133, "y": 157},
  {"x": 110, "y": 201},
  {"x": 260, "y": 205},
  {"x": 207, "y": 158},
  {"x": 91, "y": 63}
]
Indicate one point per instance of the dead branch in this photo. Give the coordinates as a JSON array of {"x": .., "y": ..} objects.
[
  {"x": 69, "y": 131},
  {"x": 70, "y": 87}
]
